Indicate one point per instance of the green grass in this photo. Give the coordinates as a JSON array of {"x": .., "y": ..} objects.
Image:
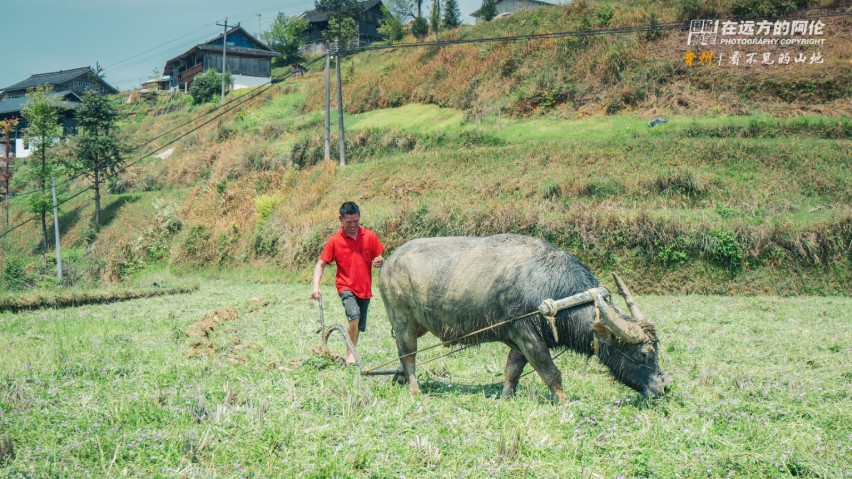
[
  {"x": 414, "y": 118},
  {"x": 761, "y": 390},
  {"x": 782, "y": 185}
]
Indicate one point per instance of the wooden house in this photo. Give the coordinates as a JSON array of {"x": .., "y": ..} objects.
[
  {"x": 77, "y": 80},
  {"x": 368, "y": 27},
  {"x": 249, "y": 61},
  {"x": 156, "y": 84},
  {"x": 508, "y": 7},
  {"x": 10, "y": 108},
  {"x": 68, "y": 88}
]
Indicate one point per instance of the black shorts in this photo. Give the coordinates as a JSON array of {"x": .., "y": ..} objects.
[{"x": 355, "y": 307}]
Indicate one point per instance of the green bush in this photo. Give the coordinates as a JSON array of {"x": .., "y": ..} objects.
[
  {"x": 419, "y": 27},
  {"x": 679, "y": 184},
  {"x": 265, "y": 206},
  {"x": 196, "y": 244},
  {"x": 14, "y": 274},
  {"x": 674, "y": 253},
  {"x": 695, "y": 10},
  {"x": 767, "y": 8},
  {"x": 206, "y": 86},
  {"x": 602, "y": 187},
  {"x": 723, "y": 248},
  {"x": 390, "y": 26}
]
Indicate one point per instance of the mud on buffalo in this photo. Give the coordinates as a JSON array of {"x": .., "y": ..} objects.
[{"x": 453, "y": 286}]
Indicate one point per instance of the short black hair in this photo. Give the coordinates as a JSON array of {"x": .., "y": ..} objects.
[{"x": 349, "y": 208}]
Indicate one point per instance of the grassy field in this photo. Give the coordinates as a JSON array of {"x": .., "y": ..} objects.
[{"x": 224, "y": 382}]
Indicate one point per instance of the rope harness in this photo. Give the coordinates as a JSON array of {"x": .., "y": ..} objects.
[{"x": 548, "y": 309}]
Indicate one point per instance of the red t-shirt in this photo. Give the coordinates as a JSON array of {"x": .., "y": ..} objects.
[{"x": 354, "y": 259}]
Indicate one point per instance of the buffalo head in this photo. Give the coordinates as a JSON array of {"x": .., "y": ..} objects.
[{"x": 629, "y": 346}]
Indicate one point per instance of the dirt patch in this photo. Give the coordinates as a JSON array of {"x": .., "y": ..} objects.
[
  {"x": 200, "y": 331},
  {"x": 320, "y": 352},
  {"x": 260, "y": 301},
  {"x": 211, "y": 320}
]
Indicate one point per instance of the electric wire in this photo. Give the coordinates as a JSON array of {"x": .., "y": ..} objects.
[
  {"x": 575, "y": 33},
  {"x": 232, "y": 105}
]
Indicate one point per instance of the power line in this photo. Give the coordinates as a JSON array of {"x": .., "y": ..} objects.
[
  {"x": 573, "y": 33},
  {"x": 229, "y": 106},
  {"x": 111, "y": 68},
  {"x": 578, "y": 33},
  {"x": 156, "y": 47}
]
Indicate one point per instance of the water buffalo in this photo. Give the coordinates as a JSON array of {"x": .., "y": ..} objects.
[{"x": 454, "y": 286}]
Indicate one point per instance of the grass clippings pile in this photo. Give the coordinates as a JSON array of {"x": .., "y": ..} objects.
[{"x": 18, "y": 303}]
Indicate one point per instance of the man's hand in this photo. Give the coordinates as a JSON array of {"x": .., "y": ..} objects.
[
  {"x": 315, "y": 294},
  {"x": 377, "y": 261}
]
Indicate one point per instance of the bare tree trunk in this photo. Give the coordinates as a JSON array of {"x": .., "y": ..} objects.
[
  {"x": 97, "y": 199},
  {"x": 45, "y": 245}
]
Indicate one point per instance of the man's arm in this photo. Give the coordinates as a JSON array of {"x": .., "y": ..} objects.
[{"x": 318, "y": 269}]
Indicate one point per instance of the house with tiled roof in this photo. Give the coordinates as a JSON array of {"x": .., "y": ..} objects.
[
  {"x": 68, "y": 89},
  {"x": 10, "y": 108},
  {"x": 76, "y": 80},
  {"x": 249, "y": 61},
  {"x": 368, "y": 27}
]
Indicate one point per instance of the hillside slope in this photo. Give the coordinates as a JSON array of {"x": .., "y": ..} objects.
[{"x": 707, "y": 202}]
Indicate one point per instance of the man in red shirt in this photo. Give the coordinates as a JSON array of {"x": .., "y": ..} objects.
[{"x": 355, "y": 249}]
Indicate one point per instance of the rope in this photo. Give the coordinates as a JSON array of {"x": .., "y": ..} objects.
[
  {"x": 447, "y": 343},
  {"x": 549, "y": 309}
]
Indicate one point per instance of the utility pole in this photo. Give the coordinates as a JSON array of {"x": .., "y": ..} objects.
[
  {"x": 340, "y": 104},
  {"x": 258, "y": 25},
  {"x": 327, "y": 129},
  {"x": 224, "y": 57},
  {"x": 56, "y": 233}
]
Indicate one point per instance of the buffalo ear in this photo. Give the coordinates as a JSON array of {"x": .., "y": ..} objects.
[{"x": 603, "y": 333}]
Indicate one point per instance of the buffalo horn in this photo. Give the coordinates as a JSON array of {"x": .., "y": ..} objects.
[
  {"x": 628, "y": 298},
  {"x": 625, "y": 331}
]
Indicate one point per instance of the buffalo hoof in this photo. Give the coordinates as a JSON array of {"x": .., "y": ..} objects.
[
  {"x": 507, "y": 393},
  {"x": 400, "y": 378}
]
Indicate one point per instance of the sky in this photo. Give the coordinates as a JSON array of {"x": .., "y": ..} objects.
[{"x": 128, "y": 38}]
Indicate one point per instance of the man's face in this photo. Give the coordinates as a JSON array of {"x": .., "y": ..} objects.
[{"x": 350, "y": 224}]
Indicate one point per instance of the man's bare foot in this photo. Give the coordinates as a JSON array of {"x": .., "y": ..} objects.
[{"x": 350, "y": 359}]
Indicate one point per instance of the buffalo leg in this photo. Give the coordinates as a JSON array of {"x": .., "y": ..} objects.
[
  {"x": 539, "y": 357},
  {"x": 406, "y": 344},
  {"x": 514, "y": 367}
]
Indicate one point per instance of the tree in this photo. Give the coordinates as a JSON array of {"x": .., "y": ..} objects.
[
  {"x": 452, "y": 15},
  {"x": 390, "y": 26},
  {"x": 403, "y": 9},
  {"x": 285, "y": 37},
  {"x": 98, "y": 150},
  {"x": 206, "y": 86},
  {"x": 42, "y": 115},
  {"x": 488, "y": 10},
  {"x": 435, "y": 16},
  {"x": 7, "y": 126},
  {"x": 419, "y": 27},
  {"x": 341, "y": 29},
  {"x": 343, "y": 18}
]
